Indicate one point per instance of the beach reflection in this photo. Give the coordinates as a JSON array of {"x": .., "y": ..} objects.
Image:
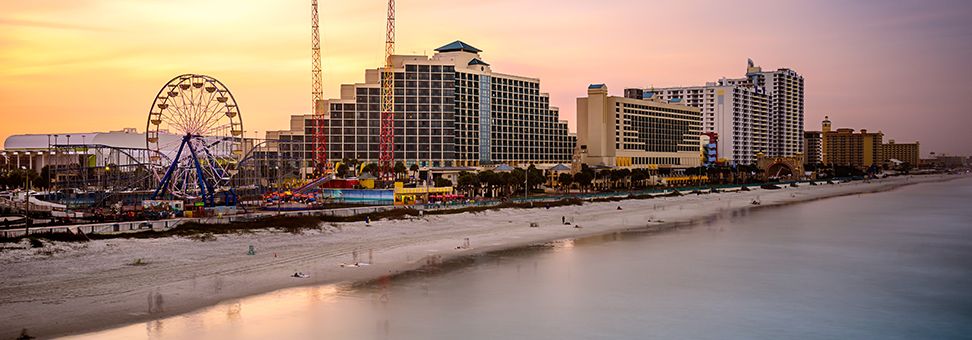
[{"x": 250, "y": 318}]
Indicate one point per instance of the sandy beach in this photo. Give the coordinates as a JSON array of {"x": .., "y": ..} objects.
[{"x": 64, "y": 288}]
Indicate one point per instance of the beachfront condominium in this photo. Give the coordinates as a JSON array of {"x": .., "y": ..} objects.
[
  {"x": 812, "y": 147},
  {"x": 762, "y": 112},
  {"x": 903, "y": 152},
  {"x": 733, "y": 109},
  {"x": 784, "y": 87},
  {"x": 450, "y": 109},
  {"x": 844, "y": 147},
  {"x": 626, "y": 132}
]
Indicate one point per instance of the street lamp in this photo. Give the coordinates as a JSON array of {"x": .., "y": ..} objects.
[
  {"x": 526, "y": 184},
  {"x": 279, "y": 188},
  {"x": 106, "y": 175},
  {"x": 50, "y": 163},
  {"x": 26, "y": 198},
  {"x": 50, "y": 169}
]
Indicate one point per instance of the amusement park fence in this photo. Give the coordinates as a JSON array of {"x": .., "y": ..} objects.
[{"x": 96, "y": 228}]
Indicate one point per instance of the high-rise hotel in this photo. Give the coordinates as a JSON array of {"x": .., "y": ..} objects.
[
  {"x": 844, "y": 147},
  {"x": 648, "y": 133},
  {"x": 785, "y": 90},
  {"x": 761, "y": 113},
  {"x": 451, "y": 109},
  {"x": 734, "y": 109}
]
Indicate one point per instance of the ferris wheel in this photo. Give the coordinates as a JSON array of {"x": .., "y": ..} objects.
[{"x": 196, "y": 132}]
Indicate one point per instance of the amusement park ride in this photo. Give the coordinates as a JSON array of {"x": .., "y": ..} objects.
[
  {"x": 196, "y": 152},
  {"x": 321, "y": 165},
  {"x": 387, "y": 146},
  {"x": 387, "y": 142},
  {"x": 200, "y": 162}
]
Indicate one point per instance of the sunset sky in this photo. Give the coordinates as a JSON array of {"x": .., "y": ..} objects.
[{"x": 95, "y": 65}]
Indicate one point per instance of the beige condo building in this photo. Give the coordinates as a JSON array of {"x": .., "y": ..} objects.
[
  {"x": 844, "y": 147},
  {"x": 813, "y": 147},
  {"x": 905, "y": 152},
  {"x": 625, "y": 132}
]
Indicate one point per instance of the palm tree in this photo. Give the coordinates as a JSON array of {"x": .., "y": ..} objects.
[
  {"x": 516, "y": 179},
  {"x": 584, "y": 179},
  {"x": 442, "y": 182},
  {"x": 342, "y": 170},
  {"x": 414, "y": 169},
  {"x": 468, "y": 183},
  {"x": 618, "y": 178},
  {"x": 352, "y": 166},
  {"x": 487, "y": 181},
  {"x": 638, "y": 176},
  {"x": 371, "y": 168},
  {"x": 565, "y": 179},
  {"x": 400, "y": 170},
  {"x": 601, "y": 177},
  {"x": 504, "y": 180},
  {"x": 535, "y": 177},
  {"x": 625, "y": 176}
]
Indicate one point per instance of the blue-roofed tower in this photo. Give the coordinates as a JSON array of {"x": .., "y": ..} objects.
[{"x": 451, "y": 109}]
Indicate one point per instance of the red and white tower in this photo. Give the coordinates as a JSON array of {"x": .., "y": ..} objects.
[
  {"x": 387, "y": 147},
  {"x": 317, "y": 97}
]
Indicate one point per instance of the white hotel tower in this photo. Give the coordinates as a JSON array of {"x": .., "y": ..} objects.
[{"x": 760, "y": 113}]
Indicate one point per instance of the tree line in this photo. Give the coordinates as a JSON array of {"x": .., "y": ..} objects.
[
  {"x": 18, "y": 178},
  {"x": 496, "y": 184}
]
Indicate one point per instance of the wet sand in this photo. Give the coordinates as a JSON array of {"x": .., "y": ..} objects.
[{"x": 66, "y": 288}]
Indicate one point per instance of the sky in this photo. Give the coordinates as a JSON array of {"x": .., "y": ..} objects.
[{"x": 898, "y": 66}]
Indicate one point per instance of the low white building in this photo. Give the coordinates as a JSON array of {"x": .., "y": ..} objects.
[{"x": 35, "y": 151}]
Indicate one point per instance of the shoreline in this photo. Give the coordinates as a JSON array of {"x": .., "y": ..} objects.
[{"x": 53, "y": 291}]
